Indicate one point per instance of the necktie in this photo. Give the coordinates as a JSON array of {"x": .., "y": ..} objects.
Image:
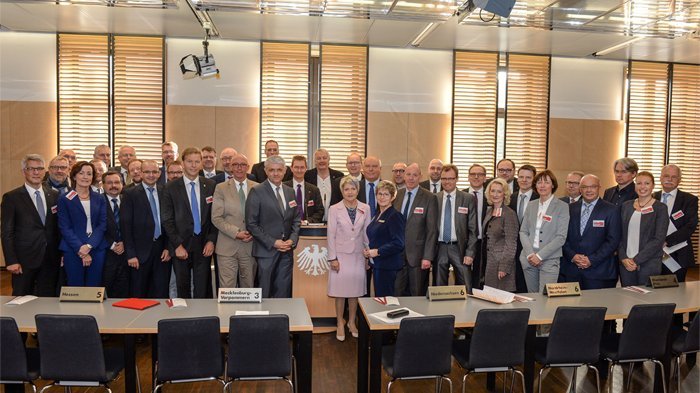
[
  {"x": 478, "y": 212},
  {"x": 407, "y": 208},
  {"x": 572, "y": 200},
  {"x": 154, "y": 212},
  {"x": 300, "y": 202},
  {"x": 115, "y": 211},
  {"x": 279, "y": 199},
  {"x": 584, "y": 216},
  {"x": 521, "y": 207},
  {"x": 241, "y": 196},
  {"x": 447, "y": 224},
  {"x": 372, "y": 200},
  {"x": 194, "y": 204},
  {"x": 40, "y": 206},
  {"x": 435, "y": 188},
  {"x": 664, "y": 197}
]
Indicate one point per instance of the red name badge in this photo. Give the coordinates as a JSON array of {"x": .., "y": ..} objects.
[
  {"x": 418, "y": 210},
  {"x": 599, "y": 223},
  {"x": 462, "y": 210},
  {"x": 310, "y": 203},
  {"x": 292, "y": 203},
  {"x": 677, "y": 215},
  {"x": 71, "y": 195},
  {"x": 547, "y": 218},
  {"x": 647, "y": 210},
  {"x": 54, "y": 209},
  {"x": 209, "y": 199}
]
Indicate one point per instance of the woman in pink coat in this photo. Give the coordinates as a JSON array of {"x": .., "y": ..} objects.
[{"x": 347, "y": 238}]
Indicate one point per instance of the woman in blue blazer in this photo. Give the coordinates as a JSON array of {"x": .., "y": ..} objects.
[
  {"x": 82, "y": 220},
  {"x": 386, "y": 234}
]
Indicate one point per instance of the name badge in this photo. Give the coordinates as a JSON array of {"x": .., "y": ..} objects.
[
  {"x": 677, "y": 215},
  {"x": 240, "y": 295},
  {"x": 209, "y": 199},
  {"x": 292, "y": 203},
  {"x": 71, "y": 195},
  {"x": 647, "y": 210},
  {"x": 547, "y": 218},
  {"x": 462, "y": 210},
  {"x": 418, "y": 210},
  {"x": 381, "y": 221},
  {"x": 54, "y": 209},
  {"x": 599, "y": 223},
  {"x": 310, "y": 203},
  {"x": 448, "y": 292}
]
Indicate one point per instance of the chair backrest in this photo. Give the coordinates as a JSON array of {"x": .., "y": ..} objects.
[
  {"x": 258, "y": 346},
  {"x": 189, "y": 348},
  {"x": 70, "y": 348},
  {"x": 645, "y": 334},
  {"x": 498, "y": 339},
  {"x": 692, "y": 340},
  {"x": 424, "y": 346},
  {"x": 575, "y": 335},
  {"x": 13, "y": 357}
]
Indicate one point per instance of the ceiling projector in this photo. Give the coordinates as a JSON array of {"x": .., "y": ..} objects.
[{"x": 201, "y": 66}]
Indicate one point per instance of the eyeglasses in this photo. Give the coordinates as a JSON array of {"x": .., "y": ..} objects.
[
  {"x": 448, "y": 178},
  {"x": 472, "y": 174},
  {"x": 354, "y": 163},
  {"x": 384, "y": 194},
  {"x": 175, "y": 172},
  {"x": 34, "y": 169},
  {"x": 239, "y": 164},
  {"x": 150, "y": 172},
  {"x": 59, "y": 167},
  {"x": 505, "y": 170},
  {"x": 226, "y": 159},
  {"x": 398, "y": 170},
  {"x": 590, "y": 187},
  {"x": 572, "y": 183}
]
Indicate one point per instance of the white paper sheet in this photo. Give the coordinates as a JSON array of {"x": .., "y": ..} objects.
[
  {"x": 636, "y": 289},
  {"x": 672, "y": 249},
  {"x": 21, "y": 300},
  {"x": 261, "y": 312},
  {"x": 176, "y": 303},
  {"x": 381, "y": 315},
  {"x": 670, "y": 263},
  {"x": 493, "y": 295},
  {"x": 671, "y": 228}
]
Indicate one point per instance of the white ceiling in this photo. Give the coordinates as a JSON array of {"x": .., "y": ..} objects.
[{"x": 525, "y": 36}]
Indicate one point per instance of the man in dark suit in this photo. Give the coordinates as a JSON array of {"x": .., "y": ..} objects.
[
  {"x": 432, "y": 184},
  {"x": 57, "y": 176},
  {"x": 456, "y": 230},
  {"x": 126, "y": 153},
  {"x": 420, "y": 208},
  {"x": 353, "y": 163},
  {"x": 625, "y": 171},
  {"x": 371, "y": 170},
  {"x": 398, "y": 172},
  {"x": 505, "y": 169},
  {"x": 209, "y": 170},
  {"x": 169, "y": 152},
  {"x": 594, "y": 235},
  {"x": 573, "y": 187},
  {"x": 683, "y": 212},
  {"x": 104, "y": 154},
  {"x": 115, "y": 274},
  {"x": 186, "y": 219},
  {"x": 518, "y": 202},
  {"x": 29, "y": 232},
  {"x": 477, "y": 177},
  {"x": 322, "y": 176},
  {"x": 271, "y": 217},
  {"x": 145, "y": 241},
  {"x": 272, "y": 148},
  {"x": 307, "y": 196}
]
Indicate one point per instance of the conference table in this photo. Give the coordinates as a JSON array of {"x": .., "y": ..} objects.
[
  {"x": 129, "y": 323},
  {"x": 618, "y": 301}
]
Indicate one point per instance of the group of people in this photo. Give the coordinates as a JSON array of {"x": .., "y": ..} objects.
[{"x": 131, "y": 226}]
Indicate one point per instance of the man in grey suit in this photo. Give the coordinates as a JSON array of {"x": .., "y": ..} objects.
[
  {"x": 419, "y": 206},
  {"x": 271, "y": 217},
  {"x": 457, "y": 232},
  {"x": 234, "y": 245}
]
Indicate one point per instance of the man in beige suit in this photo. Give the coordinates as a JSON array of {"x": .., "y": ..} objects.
[{"x": 234, "y": 244}]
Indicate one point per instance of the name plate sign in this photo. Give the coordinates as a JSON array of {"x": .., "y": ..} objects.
[
  {"x": 447, "y": 292},
  {"x": 82, "y": 294},
  {"x": 562, "y": 289},
  {"x": 664, "y": 281},
  {"x": 240, "y": 295}
]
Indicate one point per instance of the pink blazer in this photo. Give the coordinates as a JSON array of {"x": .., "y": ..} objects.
[{"x": 344, "y": 236}]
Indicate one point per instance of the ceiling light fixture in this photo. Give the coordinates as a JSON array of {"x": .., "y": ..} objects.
[
  {"x": 617, "y": 47},
  {"x": 424, "y": 34}
]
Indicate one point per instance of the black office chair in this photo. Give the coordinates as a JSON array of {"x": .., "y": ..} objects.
[
  {"x": 574, "y": 341},
  {"x": 643, "y": 338},
  {"x": 71, "y": 352},
  {"x": 422, "y": 350},
  {"x": 189, "y": 350},
  {"x": 18, "y": 364},
  {"x": 259, "y": 349},
  {"x": 497, "y": 344},
  {"x": 686, "y": 342}
]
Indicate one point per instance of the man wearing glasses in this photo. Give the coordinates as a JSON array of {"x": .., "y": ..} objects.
[
  {"x": 477, "y": 178},
  {"x": 505, "y": 169},
  {"x": 625, "y": 171},
  {"x": 226, "y": 158},
  {"x": 573, "y": 189},
  {"x": 397, "y": 172},
  {"x": 58, "y": 175}
]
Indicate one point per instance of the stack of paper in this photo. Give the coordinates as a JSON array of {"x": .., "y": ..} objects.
[
  {"x": 21, "y": 300},
  {"x": 176, "y": 303},
  {"x": 493, "y": 295}
]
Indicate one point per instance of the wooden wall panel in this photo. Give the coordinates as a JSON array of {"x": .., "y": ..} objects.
[{"x": 238, "y": 128}]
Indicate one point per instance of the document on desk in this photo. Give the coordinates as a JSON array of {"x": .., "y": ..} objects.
[
  {"x": 387, "y": 300},
  {"x": 382, "y": 316},
  {"x": 494, "y": 295},
  {"x": 636, "y": 289},
  {"x": 21, "y": 300},
  {"x": 176, "y": 303},
  {"x": 259, "y": 312}
]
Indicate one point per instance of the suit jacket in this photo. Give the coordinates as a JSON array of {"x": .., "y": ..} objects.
[
  {"x": 386, "y": 232},
  {"x": 552, "y": 233},
  {"x": 163, "y": 176},
  {"x": 118, "y": 168},
  {"x": 516, "y": 186},
  {"x": 565, "y": 199},
  {"x": 216, "y": 173},
  {"x": 652, "y": 232},
  {"x": 499, "y": 244},
  {"x": 426, "y": 184},
  {"x": 176, "y": 214},
  {"x": 344, "y": 236},
  {"x": 311, "y": 176},
  {"x": 313, "y": 204},
  {"x": 228, "y": 216},
  {"x": 421, "y": 225},
  {"x": 137, "y": 224},
  {"x": 484, "y": 204},
  {"x": 513, "y": 204},
  {"x": 465, "y": 222},
  {"x": 618, "y": 197},
  {"x": 686, "y": 222},
  {"x": 72, "y": 221},
  {"x": 259, "y": 175},
  {"x": 25, "y": 240},
  {"x": 112, "y": 232},
  {"x": 267, "y": 222},
  {"x": 598, "y": 243}
]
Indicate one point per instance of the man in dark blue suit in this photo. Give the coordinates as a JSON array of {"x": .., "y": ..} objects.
[
  {"x": 594, "y": 235},
  {"x": 115, "y": 274}
]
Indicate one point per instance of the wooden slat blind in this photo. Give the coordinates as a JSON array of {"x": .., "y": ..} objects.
[
  {"x": 343, "y": 126},
  {"x": 527, "y": 109},
  {"x": 138, "y": 94},
  {"x": 647, "y": 115},
  {"x": 83, "y": 92},
  {"x": 284, "y": 98},
  {"x": 474, "y": 106},
  {"x": 684, "y": 136}
]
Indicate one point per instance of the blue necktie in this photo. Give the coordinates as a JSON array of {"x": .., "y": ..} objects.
[
  {"x": 664, "y": 198},
  {"x": 154, "y": 212},
  {"x": 194, "y": 204},
  {"x": 115, "y": 211},
  {"x": 371, "y": 200},
  {"x": 584, "y": 216},
  {"x": 40, "y": 207},
  {"x": 408, "y": 205},
  {"x": 447, "y": 224}
]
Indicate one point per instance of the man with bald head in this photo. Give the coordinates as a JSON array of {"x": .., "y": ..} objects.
[
  {"x": 226, "y": 158},
  {"x": 371, "y": 169},
  {"x": 397, "y": 172},
  {"x": 420, "y": 208},
  {"x": 126, "y": 153},
  {"x": 434, "y": 172},
  {"x": 593, "y": 237},
  {"x": 69, "y": 154},
  {"x": 103, "y": 153},
  {"x": 353, "y": 163},
  {"x": 272, "y": 148}
]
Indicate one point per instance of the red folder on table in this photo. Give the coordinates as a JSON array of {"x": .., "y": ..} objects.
[{"x": 136, "y": 304}]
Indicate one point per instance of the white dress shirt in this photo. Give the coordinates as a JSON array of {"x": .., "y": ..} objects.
[
  {"x": 670, "y": 200},
  {"x": 324, "y": 186},
  {"x": 453, "y": 203},
  {"x": 541, "y": 212},
  {"x": 196, "y": 191},
  {"x": 32, "y": 194},
  {"x": 86, "y": 207},
  {"x": 209, "y": 175}
]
